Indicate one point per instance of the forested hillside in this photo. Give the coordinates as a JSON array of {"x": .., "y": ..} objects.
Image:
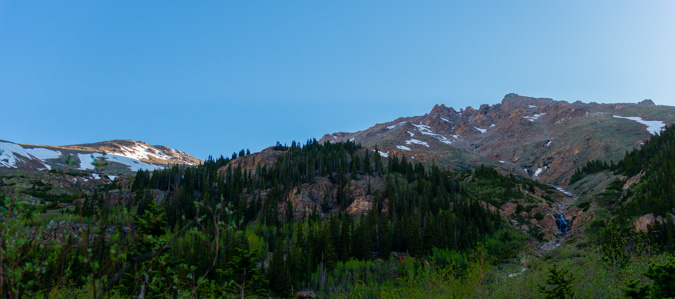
[
  {"x": 329, "y": 220},
  {"x": 211, "y": 232}
]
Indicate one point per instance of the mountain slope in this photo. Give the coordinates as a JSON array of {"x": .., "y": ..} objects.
[
  {"x": 122, "y": 156},
  {"x": 536, "y": 137}
]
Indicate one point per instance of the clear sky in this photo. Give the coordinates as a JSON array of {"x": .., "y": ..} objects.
[{"x": 213, "y": 77}]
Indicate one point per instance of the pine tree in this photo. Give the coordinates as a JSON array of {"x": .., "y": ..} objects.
[
  {"x": 663, "y": 281},
  {"x": 559, "y": 283},
  {"x": 278, "y": 273},
  {"x": 247, "y": 279}
]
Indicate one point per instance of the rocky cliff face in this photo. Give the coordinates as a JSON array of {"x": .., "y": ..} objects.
[
  {"x": 252, "y": 162},
  {"x": 536, "y": 137}
]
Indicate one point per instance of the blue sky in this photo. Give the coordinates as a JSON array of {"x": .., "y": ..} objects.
[{"x": 213, "y": 77}]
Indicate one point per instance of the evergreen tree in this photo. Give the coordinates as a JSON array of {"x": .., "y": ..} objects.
[
  {"x": 559, "y": 284},
  {"x": 247, "y": 278},
  {"x": 662, "y": 285}
]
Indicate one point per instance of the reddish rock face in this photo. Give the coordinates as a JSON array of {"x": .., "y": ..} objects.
[
  {"x": 520, "y": 135},
  {"x": 250, "y": 163},
  {"x": 643, "y": 223}
]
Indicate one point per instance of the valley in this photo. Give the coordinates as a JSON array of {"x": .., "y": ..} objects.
[{"x": 470, "y": 203}]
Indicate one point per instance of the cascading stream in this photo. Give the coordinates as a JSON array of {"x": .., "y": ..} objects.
[{"x": 562, "y": 223}]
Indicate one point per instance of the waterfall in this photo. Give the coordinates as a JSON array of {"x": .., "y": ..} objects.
[{"x": 562, "y": 223}]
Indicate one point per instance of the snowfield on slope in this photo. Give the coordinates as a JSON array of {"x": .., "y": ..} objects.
[
  {"x": 653, "y": 126},
  {"x": 12, "y": 153},
  {"x": 86, "y": 161},
  {"x": 43, "y": 153}
]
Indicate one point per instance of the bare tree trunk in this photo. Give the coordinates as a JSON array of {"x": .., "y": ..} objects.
[{"x": 143, "y": 288}]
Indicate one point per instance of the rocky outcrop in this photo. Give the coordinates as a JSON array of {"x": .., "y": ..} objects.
[
  {"x": 321, "y": 196},
  {"x": 578, "y": 217},
  {"x": 363, "y": 200},
  {"x": 643, "y": 223},
  {"x": 307, "y": 198},
  {"x": 250, "y": 163}
]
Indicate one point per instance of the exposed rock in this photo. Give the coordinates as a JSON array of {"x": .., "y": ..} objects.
[
  {"x": 647, "y": 103},
  {"x": 519, "y": 133},
  {"x": 549, "y": 225},
  {"x": 633, "y": 180},
  {"x": 508, "y": 209},
  {"x": 308, "y": 197},
  {"x": 643, "y": 223},
  {"x": 250, "y": 163},
  {"x": 579, "y": 217}
]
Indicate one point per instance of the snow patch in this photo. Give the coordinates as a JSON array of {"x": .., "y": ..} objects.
[
  {"x": 8, "y": 152},
  {"x": 112, "y": 177},
  {"x": 142, "y": 151},
  {"x": 426, "y": 130},
  {"x": 539, "y": 171},
  {"x": 411, "y": 134},
  {"x": 531, "y": 106},
  {"x": 481, "y": 130},
  {"x": 43, "y": 153},
  {"x": 564, "y": 191},
  {"x": 403, "y": 147},
  {"x": 445, "y": 119},
  {"x": 396, "y": 125},
  {"x": 12, "y": 153},
  {"x": 386, "y": 155},
  {"x": 415, "y": 141},
  {"x": 653, "y": 126},
  {"x": 96, "y": 176},
  {"x": 549, "y": 142},
  {"x": 86, "y": 161},
  {"x": 534, "y": 117}
]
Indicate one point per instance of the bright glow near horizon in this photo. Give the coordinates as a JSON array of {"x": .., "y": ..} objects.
[{"x": 214, "y": 77}]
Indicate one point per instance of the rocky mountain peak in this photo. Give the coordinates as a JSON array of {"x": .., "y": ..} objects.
[
  {"x": 441, "y": 110},
  {"x": 647, "y": 103},
  {"x": 536, "y": 137}
]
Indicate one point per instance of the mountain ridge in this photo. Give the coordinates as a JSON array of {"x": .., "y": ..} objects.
[
  {"x": 122, "y": 156},
  {"x": 541, "y": 138}
]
